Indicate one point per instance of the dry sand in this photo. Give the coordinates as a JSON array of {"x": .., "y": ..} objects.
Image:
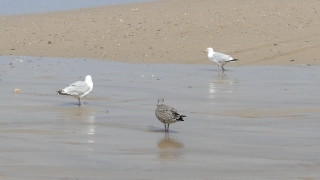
[{"x": 172, "y": 31}]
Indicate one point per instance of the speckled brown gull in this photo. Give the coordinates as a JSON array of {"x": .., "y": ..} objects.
[
  {"x": 78, "y": 89},
  {"x": 167, "y": 115}
]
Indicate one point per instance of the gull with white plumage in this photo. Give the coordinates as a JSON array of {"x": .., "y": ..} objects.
[
  {"x": 78, "y": 89},
  {"x": 219, "y": 58}
]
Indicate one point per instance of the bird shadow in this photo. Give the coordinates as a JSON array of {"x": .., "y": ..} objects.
[
  {"x": 72, "y": 104},
  {"x": 157, "y": 129},
  {"x": 212, "y": 69}
]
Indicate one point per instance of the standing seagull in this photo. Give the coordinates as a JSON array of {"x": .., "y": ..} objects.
[
  {"x": 219, "y": 58},
  {"x": 78, "y": 89},
  {"x": 167, "y": 115}
]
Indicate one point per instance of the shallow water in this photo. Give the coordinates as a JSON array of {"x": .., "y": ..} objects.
[
  {"x": 10, "y": 7},
  {"x": 254, "y": 122}
]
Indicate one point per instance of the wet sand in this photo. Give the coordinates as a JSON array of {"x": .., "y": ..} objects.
[
  {"x": 253, "y": 122},
  {"x": 172, "y": 31}
]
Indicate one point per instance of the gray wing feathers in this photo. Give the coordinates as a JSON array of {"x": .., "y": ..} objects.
[
  {"x": 77, "y": 88},
  {"x": 222, "y": 57}
]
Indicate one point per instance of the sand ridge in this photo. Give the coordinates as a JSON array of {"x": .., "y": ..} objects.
[{"x": 172, "y": 31}]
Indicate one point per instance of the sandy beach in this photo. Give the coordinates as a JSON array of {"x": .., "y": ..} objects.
[
  {"x": 172, "y": 31},
  {"x": 259, "y": 120}
]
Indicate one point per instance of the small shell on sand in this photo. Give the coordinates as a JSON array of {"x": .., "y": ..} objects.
[{"x": 16, "y": 90}]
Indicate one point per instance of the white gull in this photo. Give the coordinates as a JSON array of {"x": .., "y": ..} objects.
[
  {"x": 78, "y": 89},
  {"x": 219, "y": 58}
]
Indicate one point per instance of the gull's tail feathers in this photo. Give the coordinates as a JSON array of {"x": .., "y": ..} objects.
[
  {"x": 61, "y": 92},
  {"x": 181, "y": 118}
]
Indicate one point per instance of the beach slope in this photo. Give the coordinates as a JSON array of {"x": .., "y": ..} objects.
[{"x": 172, "y": 31}]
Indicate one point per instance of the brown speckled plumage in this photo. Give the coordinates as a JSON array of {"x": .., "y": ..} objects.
[{"x": 167, "y": 115}]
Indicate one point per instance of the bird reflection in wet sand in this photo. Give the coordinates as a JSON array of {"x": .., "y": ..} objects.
[
  {"x": 170, "y": 148},
  {"x": 220, "y": 84},
  {"x": 82, "y": 121}
]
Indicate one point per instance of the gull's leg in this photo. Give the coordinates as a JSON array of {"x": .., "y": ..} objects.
[
  {"x": 165, "y": 127},
  {"x": 222, "y": 68},
  {"x": 168, "y": 128},
  {"x": 218, "y": 67},
  {"x": 79, "y": 101}
]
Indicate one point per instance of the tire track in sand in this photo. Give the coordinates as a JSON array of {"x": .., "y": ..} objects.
[
  {"x": 282, "y": 54},
  {"x": 272, "y": 44}
]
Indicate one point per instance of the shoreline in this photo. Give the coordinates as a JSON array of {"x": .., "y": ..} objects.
[
  {"x": 47, "y": 6},
  {"x": 265, "y": 33}
]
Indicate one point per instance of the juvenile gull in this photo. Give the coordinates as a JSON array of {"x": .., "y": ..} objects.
[
  {"x": 78, "y": 89},
  {"x": 167, "y": 115},
  {"x": 219, "y": 58}
]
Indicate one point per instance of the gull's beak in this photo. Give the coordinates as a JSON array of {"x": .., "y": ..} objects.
[{"x": 205, "y": 50}]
